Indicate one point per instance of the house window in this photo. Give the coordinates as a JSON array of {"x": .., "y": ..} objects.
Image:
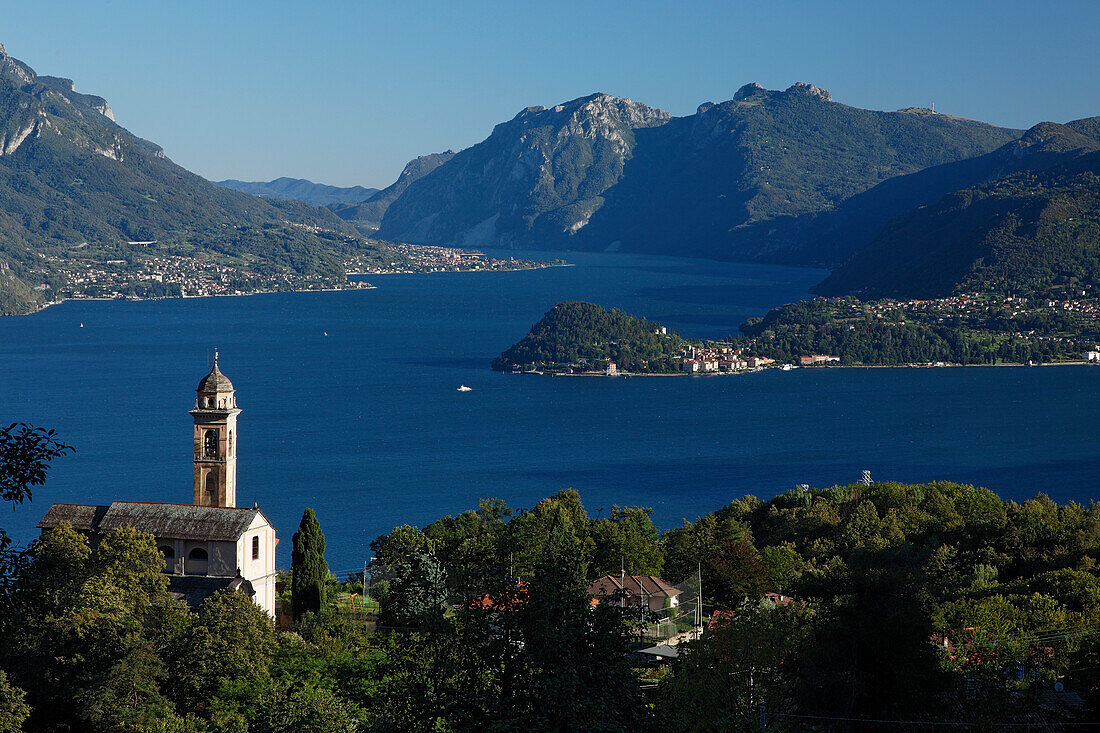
[
  {"x": 167, "y": 551},
  {"x": 197, "y": 554},
  {"x": 256, "y": 547}
]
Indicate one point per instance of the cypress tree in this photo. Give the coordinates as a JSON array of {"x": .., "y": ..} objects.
[{"x": 309, "y": 571}]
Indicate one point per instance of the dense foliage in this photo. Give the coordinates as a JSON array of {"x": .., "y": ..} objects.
[
  {"x": 914, "y": 602},
  {"x": 584, "y": 336},
  {"x": 931, "y": 602},
  {"x": 1032, "y": 230},
  {"x": 891, "y": 334}
]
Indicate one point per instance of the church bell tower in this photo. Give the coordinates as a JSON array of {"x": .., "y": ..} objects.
[{"x": 215, "y": 416}]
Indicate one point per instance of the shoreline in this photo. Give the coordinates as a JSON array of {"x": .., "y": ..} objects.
[
  {"x": 364, "y": 286},
  {"x": 536, "y": 373}
]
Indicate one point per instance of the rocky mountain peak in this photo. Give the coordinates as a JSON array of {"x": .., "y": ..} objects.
[
  {"x": 810, "y": 90},
  {"x": 595, "y": 109},
  {"x": 748, "y": 91}
]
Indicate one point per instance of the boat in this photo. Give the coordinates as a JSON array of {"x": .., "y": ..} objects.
[{"x": 464, "y": 388}]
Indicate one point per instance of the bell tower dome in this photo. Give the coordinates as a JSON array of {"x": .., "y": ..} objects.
[{"x": 215, "y": 416}]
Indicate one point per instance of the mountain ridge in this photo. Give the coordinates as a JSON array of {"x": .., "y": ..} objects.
[
  {"x": 697, "y": 185},
  {"x": 367, "y": 214},
  {"x": 300, "y": 189},
  {"x": 77, "y": 187}
]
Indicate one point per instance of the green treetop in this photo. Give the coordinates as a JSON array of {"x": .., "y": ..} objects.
[{"x": 309, "y": 570}]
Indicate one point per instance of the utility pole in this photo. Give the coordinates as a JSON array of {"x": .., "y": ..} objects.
[
  {"x": 699, "y": 602},
  {"x": 366, "y": 584}
]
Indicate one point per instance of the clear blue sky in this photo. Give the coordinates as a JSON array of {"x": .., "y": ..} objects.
[{"x": 345, "y": 92}]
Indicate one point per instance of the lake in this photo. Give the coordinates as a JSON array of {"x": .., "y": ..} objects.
[{"x": 350, "y": 404}]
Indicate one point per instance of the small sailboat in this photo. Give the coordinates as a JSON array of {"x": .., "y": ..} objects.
[
  {"x": 464, "y": 388},
  {"x": 82, "y": 325}
]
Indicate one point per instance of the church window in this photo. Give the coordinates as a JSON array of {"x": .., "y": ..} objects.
[
  {"x": 197, "y": 554},
  {"x": 210, "y": 448},
  {"x": 230, "y": 442},
  {"x": 256, "y": 547},
  {"x": 167, "y": 551},
  {"x": 211, "y": 486},
  {"x": 209, "y": 401}
]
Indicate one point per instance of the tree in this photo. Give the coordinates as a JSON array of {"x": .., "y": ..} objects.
[
  {"x": 231, "y": 639},
  {"x": 627, "y": 539},
  {"x": 516, "y": 639},
  {"x": 418, "y": 589},
  {"x": 309, "y": 571},
  {"x": 82, "y": 628},
  {"x": 25, "y": 455},
  {"x": 13, "y": 706}
]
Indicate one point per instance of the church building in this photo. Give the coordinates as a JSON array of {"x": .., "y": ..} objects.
[{"x": 209, "y": 544}]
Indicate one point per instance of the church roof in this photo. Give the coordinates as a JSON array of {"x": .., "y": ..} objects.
[
  {"x": 215, "y": 381},
  {"x": 178, "y": 521},
  {"x": 83, "y": 517}
]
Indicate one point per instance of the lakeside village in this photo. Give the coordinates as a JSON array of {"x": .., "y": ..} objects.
[
  {"x": 1069, "y": 321},
  {"x": 421, "y": 258},
  {"x": 162, "y": 275},
  {"x": 714, "y": 359}
]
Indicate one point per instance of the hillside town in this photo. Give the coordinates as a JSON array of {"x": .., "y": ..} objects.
[
  {"x": 418, "y": 258},
  {"x": 163, "y": 275}
]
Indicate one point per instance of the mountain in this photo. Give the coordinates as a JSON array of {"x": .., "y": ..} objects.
[
  {"x": 536, "y": 178},
  {"x": 835, "y": 233},
  {"x": 1030, "y": 225},
  {"x": 368, "y": 213},
  {"x": 299, "y": 189},
  {"x": 720, "y": 183},
  {"x": 75, "y": 186}
]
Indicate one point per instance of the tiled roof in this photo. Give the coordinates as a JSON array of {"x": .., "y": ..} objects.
[
  {"x": 178, "y": 521},
  {"x": 83, "y": 517},
  {"x": 633, "y": 585}
]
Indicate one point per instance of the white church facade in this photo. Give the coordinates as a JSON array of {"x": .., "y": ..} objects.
[{"x": 210, "y": 544}]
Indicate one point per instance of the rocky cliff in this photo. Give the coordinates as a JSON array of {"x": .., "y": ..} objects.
[{"x": 539, "y": 176}]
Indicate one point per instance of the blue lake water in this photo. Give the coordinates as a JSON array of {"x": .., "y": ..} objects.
[{"x": 365, "y": 424}]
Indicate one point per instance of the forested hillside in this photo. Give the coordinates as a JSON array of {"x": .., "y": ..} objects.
[
  {"x": 1032, "y": 229},
  {"x": 77, "y": 187},
  {"x": 586, "y": 336},
  {"x": 891, "y": 333}
]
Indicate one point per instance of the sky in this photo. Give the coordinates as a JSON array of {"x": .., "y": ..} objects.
[{"x": 345, "y": 92}]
